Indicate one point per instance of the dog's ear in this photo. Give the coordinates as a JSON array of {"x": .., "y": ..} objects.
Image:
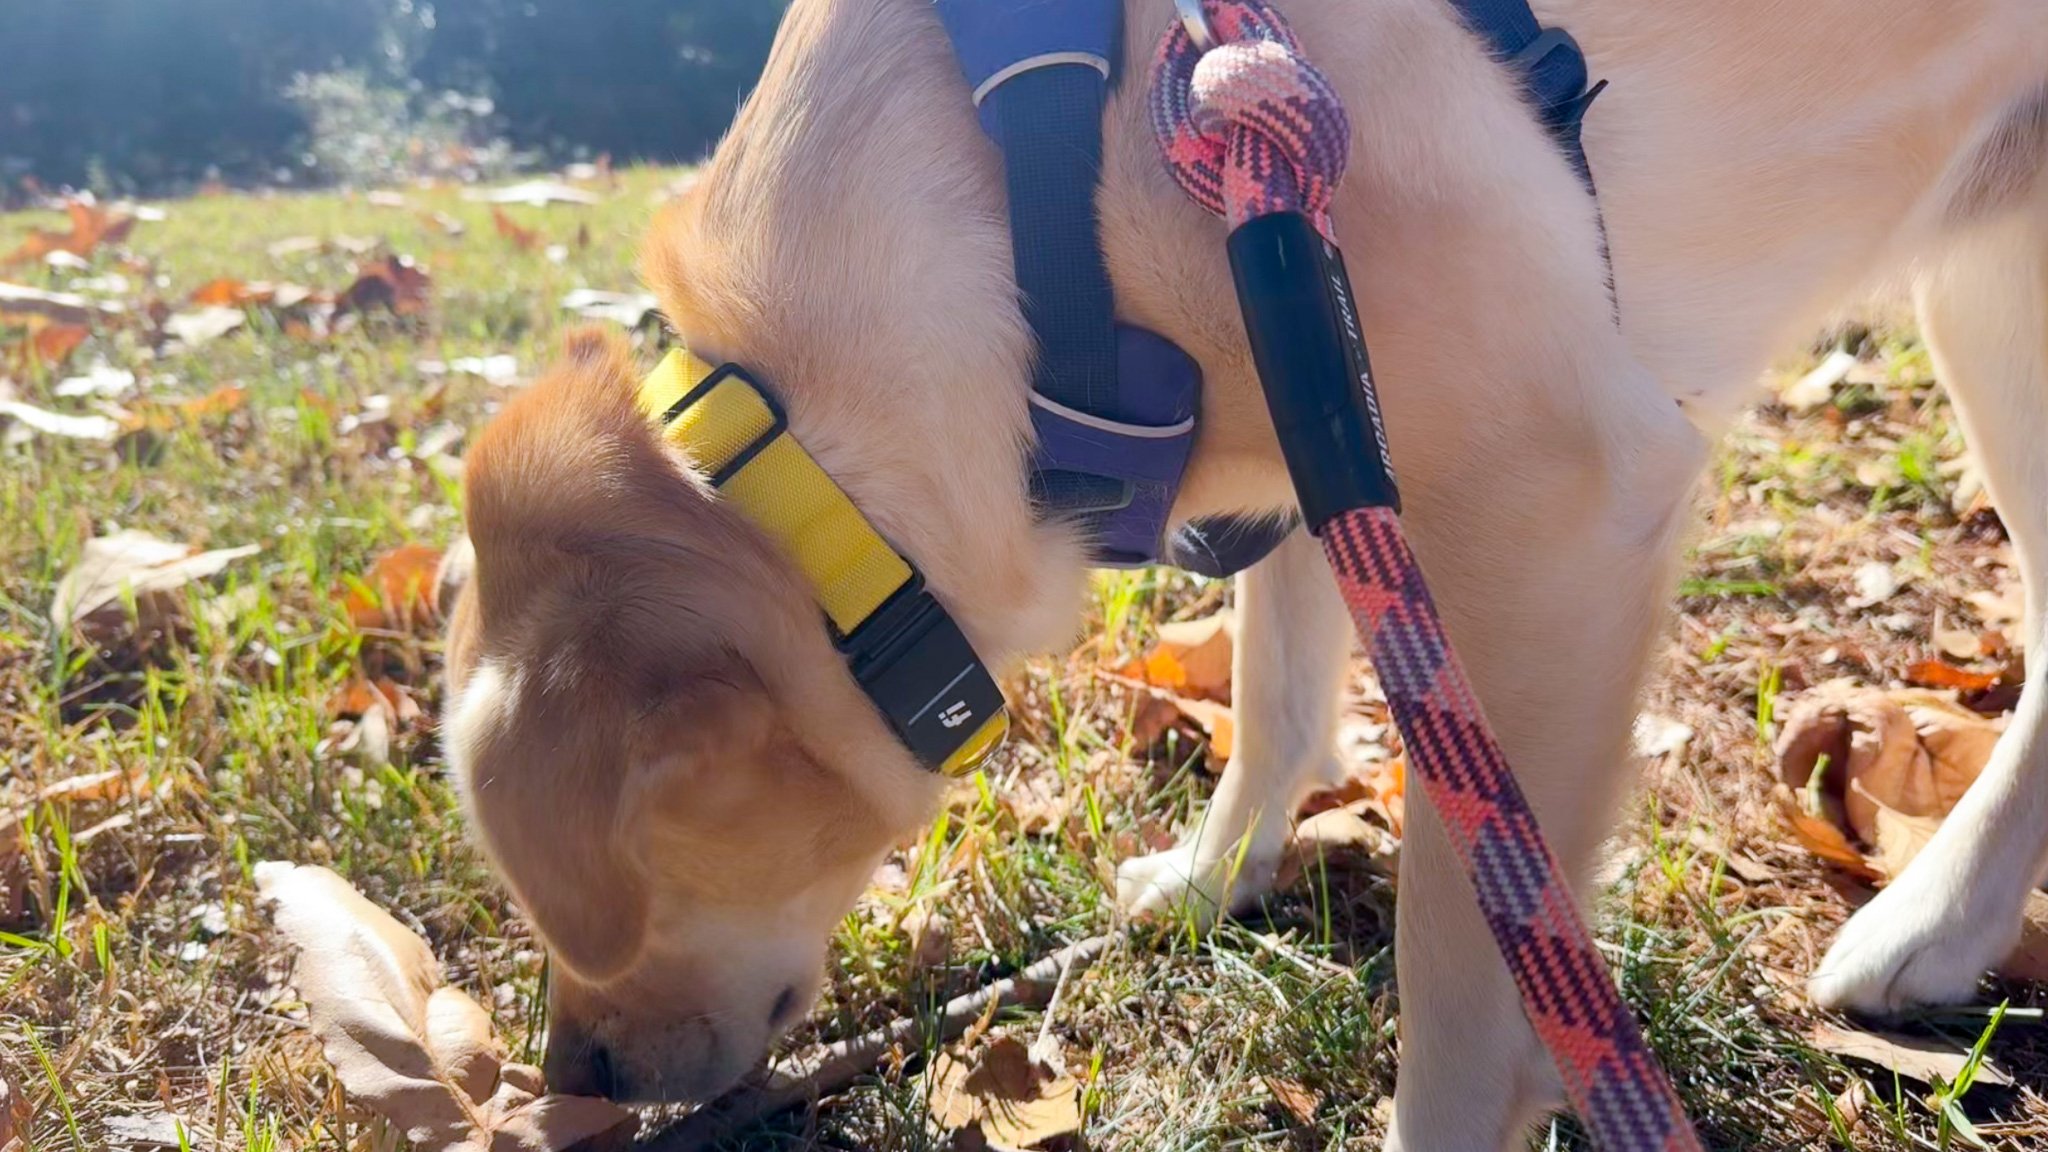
[
  {"x": 545, "y": 777},
  {"x": 592, "y": 792}
]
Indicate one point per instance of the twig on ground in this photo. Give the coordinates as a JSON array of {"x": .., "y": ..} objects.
[{"x": 837, "y": 1066}]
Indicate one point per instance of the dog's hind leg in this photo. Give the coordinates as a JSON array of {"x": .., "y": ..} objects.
[
  {"x": 1292, "y": 643},
  {"x": 1956, "y": 911}
]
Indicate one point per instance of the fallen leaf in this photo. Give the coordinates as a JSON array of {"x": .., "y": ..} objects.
[
  {"x": 1918, "y": 1058},
  {"x": 536, "y": 193},
  {"x": 2029, "y": 958},
  {"x": 1957, "y": 643},
  {"x": 527, "y": 239},
  {"x": 1016, "y": 1101},
  {"x": 204, "y": 325},
  {"x": 51, "y": 344},
  {"x": 1894, "y": 765},
  {"x": 393, "y": 284},
  {"x": 1823, "y": 838},
  {"x": 100, "y": 380},
  {"x": 1875, "y": 584},
  {"x": 101, "y": 428},
  {"x": 2004, "y": 608},
  {"x": 1818, "y": 386},
  {"x": 114, "y": 570},
  {"x": 1337, "y": 836},
  {"x": 499, "y": 369},
  {"x": 1191, "y": 657},
  {"x": 403, "y": 1043},
  {"x": 1656, "y": 737},
  {"x": 1941, "y": 674},
  {"x": 1298, "y": 1102},
  {"x": 13, "y": 1116},
  {"x": 91, "y": 226},
  {"x": 401, "y": 592},
  {"x": 20, "y": 303},
  {"x": 626, "y": 309},
  {"x": 154, "y": 1130},
  {"x": 111, "y": 784}
]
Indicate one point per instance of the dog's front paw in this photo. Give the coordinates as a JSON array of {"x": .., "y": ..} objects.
[
  {"x": 1918, "y": 943},
  {"x": 1187, "y": 881}
]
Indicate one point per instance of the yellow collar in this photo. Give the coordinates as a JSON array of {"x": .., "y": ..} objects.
[{"x": 907, "y": 653}]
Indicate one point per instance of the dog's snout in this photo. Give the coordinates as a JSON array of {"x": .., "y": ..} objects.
[{"x": 577, "y": 1065}]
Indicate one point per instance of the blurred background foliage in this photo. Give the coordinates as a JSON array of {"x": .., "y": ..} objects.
[{"x": 158, "y": 96}]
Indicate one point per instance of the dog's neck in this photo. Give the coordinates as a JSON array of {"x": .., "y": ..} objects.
[{"x": 875, "y": 290}]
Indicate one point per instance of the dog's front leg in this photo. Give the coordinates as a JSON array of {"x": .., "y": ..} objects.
[
  {"x": 1292, "y": 643},
  {"x": 1552, "y": 563}
]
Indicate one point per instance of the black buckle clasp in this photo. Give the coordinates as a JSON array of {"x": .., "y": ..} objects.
[{"x": 915, "y": 663}]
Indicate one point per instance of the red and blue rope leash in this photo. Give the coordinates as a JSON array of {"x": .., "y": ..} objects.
[{"x": 1256, "y": 134}]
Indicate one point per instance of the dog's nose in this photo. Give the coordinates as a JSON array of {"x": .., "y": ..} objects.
[{"x": 577, "y": 1065}]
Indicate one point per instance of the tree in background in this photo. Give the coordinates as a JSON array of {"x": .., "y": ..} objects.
[
  {"x": 156, "y": 91},
  {"x": 152, "y": 94},
  {"x": 651, "y": 79}
]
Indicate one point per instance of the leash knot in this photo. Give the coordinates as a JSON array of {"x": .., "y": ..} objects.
[{"x": 1250, "y": 127}]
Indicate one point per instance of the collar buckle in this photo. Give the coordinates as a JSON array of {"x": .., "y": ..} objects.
[{"x": 915, "y": 663}]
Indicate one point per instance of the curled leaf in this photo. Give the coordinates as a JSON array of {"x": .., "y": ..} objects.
[
  {"x": 134, "y": 568},
  {"x": 418, "y": 1052},
  {"x": 1869, "y": 775}
]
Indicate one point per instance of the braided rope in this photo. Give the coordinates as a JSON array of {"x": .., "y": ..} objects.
[{"x": 1251, "y": 128}]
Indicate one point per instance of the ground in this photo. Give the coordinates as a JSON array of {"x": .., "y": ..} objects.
[{"x": 138, "y": 978}]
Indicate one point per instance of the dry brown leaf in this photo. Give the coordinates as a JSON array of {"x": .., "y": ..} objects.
[
  {"x": 94, "y": 597},
  {"x": 1336, "y": 836},
  {"x": 393, "y": 284},
  {"x": 13, "y": 1116},
  {"x": 2004, "y": 608},
  {"x": 50, "y": 344},
  {"x": 91, "y": 226},
  {"x": 1299, "y": 1102},
  {"x": 1016, "y": 1101},
  {"x": 2029, "y": 958},
  {"x": 401, "y": 592},
  {"x": 1823, "y": 837},
  {"x": 418, "y": 1052},
  {"x": 526, "y": 239},
  {"x": 1897, "y": 763},
  {"x": 1916, "y": 1058}
]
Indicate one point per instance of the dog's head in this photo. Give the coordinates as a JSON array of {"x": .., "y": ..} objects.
[
  {"x": 664, "y": 753},
  {"x": 658, "y": 748}
]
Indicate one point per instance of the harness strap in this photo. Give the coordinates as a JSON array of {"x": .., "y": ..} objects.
[
  {"x": 1552, "y": 66},
  {"x": 1114, "y": 406}
]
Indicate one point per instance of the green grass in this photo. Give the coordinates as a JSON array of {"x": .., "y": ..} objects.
[{"x": 137, "y": 975}]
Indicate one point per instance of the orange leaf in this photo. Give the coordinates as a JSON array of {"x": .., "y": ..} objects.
[
  {"x": 228, "y": 292},
  {"x": 525, "y": 238},
  {"x": 400, "y": 592},
  {"x": 222, "y": 401},
  {"x": 1823, "y": 838},
  {"x": 52, "y": 344},
  {"x": 1941, "y": 674},
  {"x": 394, "y": 284},
  {"x": 91, "y": 226}
]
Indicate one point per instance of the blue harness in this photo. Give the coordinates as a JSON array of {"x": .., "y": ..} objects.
[{"x": 1115, "y": 407}]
